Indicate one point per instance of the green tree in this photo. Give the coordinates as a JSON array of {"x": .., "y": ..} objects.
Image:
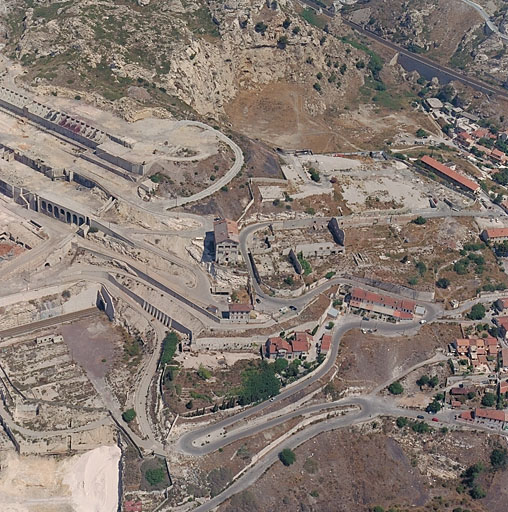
[
  {"x": 155, "y": 476},
  {"x": 401, "y": 421},
  {"x": 477, "y": 312},
  {"x": 433, "y": 407},
  {"x": 169, "y": 344},
  {"x": 489, "y": 399},
  {"x": 289, "y": 280},
  {"x": 443, "y": 283},
  {"x": 420, "y": 220},
  {"x": 258, "y": 384},
  {"x": 129, "y": 415},
  {"x": 395, "y": 388},
  {"x": 287, "y": 457},
  {"x": 498, "y": 458},
  {"x": 477, "y": 492},
  {"x": 421, "y": 133},
  {"x": 421, "y": 267},
  {"x": 423, "y": 381},
  {"x": 280, "y": 364}
]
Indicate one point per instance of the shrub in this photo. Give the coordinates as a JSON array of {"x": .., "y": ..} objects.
[
  {"x": 204, "y": 373},
  {"x": 169, "y": 345},
  {"x": 260, "y": 28},
  {"x": 282, "y": 42},
  {"x": 401, "y": 421},
  {"x": 287, "y": 457},
  {"x": 155, "y": 476},
  {"x": 314, "y": 174},
  {"x": 419, "y": 220},
  {"x": 477, "y": 312},
  {"x": 317, "y": 86},
  {"x": 489, "y": 399},
  {"x": 443, "y": 283},
  {"x": 395, "y": 388},
  {"x": 289, "y": 280},
  {"x": 498, "y": 458},
  {"x": 129, "y": 415}
]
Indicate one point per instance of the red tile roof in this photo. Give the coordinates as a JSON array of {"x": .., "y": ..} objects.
[
  {"x": 302, "y": 342},
  {"x": 277, "y": 344},
  {"x": 503, "y": 302},
  {"x": 504, "y": 356},
  {"x": 490, "y": 414},
  {"x": 497, "y": 232},
  {"x": 466, "y": 415},
  {"x": 502, "y": 321},
  {"x": 453, "y": 175},
  {"x": 326, "y": 342},
  {"x": 498, "y": 155},
  {"x": 240, "y": 308},
  {"x": 225, "y": 229},
  {"x": 360, "y": 295},
  {"x": 480, "y": 133}
]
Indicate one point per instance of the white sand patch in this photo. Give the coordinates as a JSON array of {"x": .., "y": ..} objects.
[{"x": 93, "y": 480}]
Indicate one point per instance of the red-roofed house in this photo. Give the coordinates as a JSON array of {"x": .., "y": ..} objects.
[
  {"x": 481, "y": 133},
  {"x": 301, "y": 343},
  {"x": 498, "y": 156},
  {"x": 503, "y": 358},
  {"x": 491, "y": 417},
  {"x": 502, "y": 323},
  {"x": 450, "y": 175},
  {"x": 465, "y": 139},
  {"x": 326, "y": 342},
  {"x": 239, "y": 312},
  {"x": 503, "y": 387},
  {"x": 277, "y": 347},
  {"x": 494, "y": 234},
  {"x": 501, "y": 304},
  {"x": 467, "y": 416},
  {"x": 402, "y": 309}
]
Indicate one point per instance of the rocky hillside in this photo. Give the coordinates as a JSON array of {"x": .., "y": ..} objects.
[
  {"x": 449, "y": 31},
  {"x": 182, "y": 54}
]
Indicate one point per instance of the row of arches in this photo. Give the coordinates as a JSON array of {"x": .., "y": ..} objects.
[{"x": 62, "y": 214}]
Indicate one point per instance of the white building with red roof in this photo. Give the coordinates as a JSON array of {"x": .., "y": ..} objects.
[{"x": 400, "y": 309}]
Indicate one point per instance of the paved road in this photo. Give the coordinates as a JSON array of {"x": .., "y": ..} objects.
[
  {"x": 191, "y": 443},
  {"x": 487, "y": 19},
  {"x": 48, "y": 322},
  {"x": 370, "y": 407},
  {"x": 454, "y": 74},
  {"x": 224, "y": 180}
]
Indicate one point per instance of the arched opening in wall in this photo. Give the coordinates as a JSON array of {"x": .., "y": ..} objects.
[
  {"x": 57, "y": 214},
  {"x": 62, "y": 212},
  {"x": 74, "y": 219},
  {"x": 68, "y": 218},
  {"x": 43, "y": 205},
  {"x": 81, "y": 221},
  {"x": 50, "y": 208},
  {"x": 47, "y": 264}
]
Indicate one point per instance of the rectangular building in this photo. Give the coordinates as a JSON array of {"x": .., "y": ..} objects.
[
  {"x": 401, "y": 309},
  {"x": 450, "y": 175},
  {"x": 226, "y": 241}
]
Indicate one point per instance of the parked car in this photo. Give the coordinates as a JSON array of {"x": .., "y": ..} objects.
[
  {"x": 423, "y": 321},
  {"x": 435, "y": 419},
  {"x": 420, "y": 417}
]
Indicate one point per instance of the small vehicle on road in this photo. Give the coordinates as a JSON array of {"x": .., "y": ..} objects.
[
  {"x": 293, "y": 308},
  {"x": 435, "y": 419},
  {"x": 420, "y": 417},
  {"x": 423, "y": 321}
]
